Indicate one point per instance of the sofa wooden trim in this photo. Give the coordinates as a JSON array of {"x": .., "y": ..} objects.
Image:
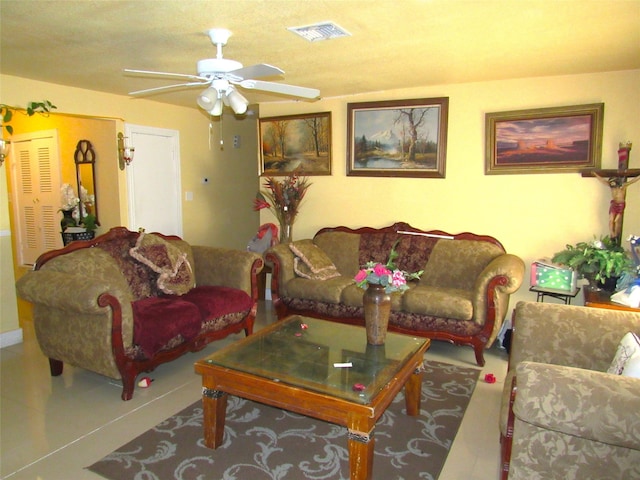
[
  {"x": 506, "y": 440},
  {"x": 477, "y": 341},
  {"x": 129, "y": 367}
]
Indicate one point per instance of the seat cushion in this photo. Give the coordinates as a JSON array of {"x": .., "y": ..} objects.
[
  {"x": 438, "y": 302},
  {"x": 328, "y": 291},
  {"x": 215, "y": 301},
  {"x": 158, "y": 320}
]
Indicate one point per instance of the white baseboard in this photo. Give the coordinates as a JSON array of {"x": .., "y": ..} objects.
[{"x": 11, "y": 337}]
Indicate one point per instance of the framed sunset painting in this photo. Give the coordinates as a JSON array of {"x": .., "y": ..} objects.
[{"x": 544, "y": 140}]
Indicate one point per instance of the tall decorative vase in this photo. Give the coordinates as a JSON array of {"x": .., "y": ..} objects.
[
  {"x": 67, "y": 220},
  {"x": 377, "y": 308}
]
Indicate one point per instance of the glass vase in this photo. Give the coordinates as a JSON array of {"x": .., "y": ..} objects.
[{"x": 286, "y": 232}]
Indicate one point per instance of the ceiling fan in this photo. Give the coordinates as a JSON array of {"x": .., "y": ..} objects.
[{"x": 223, "y": 76}]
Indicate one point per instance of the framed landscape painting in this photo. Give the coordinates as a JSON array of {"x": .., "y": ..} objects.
[
  {"x": 544, "y": 140},
  {"x": 397, "y": 138},
  {"x": 296, "y": 143}
]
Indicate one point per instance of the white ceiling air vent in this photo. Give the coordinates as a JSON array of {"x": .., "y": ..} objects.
[{"x": 320, "y": 31}]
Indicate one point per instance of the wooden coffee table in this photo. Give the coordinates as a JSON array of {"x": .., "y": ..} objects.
[{"x": 294, "y": 364}]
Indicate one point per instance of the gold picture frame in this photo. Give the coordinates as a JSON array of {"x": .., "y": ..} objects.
[
  {"x": 397, "y": 138},
  {"x": 296, "y": 143},
  {"x": 544, "y": 140}
]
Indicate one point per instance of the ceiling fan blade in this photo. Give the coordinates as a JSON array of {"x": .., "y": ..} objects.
[
  {"x": 254, "y": 71},
  {"x": 165, "y": 74},
  {"x": 167, "y": 87},
  {"x": 282, "y": 88}
]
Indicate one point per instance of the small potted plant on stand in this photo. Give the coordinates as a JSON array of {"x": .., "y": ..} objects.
[
  {"x": 76, "y": 225},
  {"x": 601, "y": 262}
]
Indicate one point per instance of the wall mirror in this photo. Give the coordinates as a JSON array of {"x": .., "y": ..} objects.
[{"x": 85, "y": 159}]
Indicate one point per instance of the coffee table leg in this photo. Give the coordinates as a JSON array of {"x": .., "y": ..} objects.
[
  {"x": 214, "y": 403},
  {"x": 413, "y": 391},
  {"x": 360, "y": 455}
]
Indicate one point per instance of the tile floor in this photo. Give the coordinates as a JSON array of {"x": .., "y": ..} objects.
[{"x": 52, "y": 428}]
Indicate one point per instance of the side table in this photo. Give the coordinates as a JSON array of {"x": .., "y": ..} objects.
[
  {"x": 563, "y": 295},
  {"x": 602, "y": 299}
]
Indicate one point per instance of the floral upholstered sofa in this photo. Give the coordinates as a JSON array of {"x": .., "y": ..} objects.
[
  {"x": 462, "y": 296},
  {"x": 125, "y": 302},
  {"x": 563, "y": 415}
]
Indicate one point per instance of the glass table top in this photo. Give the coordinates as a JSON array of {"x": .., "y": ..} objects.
[{"x": 315, "y": 354}]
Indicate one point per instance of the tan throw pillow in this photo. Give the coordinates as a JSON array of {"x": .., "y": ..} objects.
[
  {"x": 175, "y": 275},
  {"x": 311, "y": 262}
]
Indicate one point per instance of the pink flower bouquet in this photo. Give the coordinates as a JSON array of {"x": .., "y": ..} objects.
[{"x": 392, "y": 278}]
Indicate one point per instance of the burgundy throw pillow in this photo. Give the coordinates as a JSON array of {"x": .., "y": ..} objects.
[{"x": 175, "y": 275}]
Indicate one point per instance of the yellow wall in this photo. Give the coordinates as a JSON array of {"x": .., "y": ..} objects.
[
  {"x": 8, "y": 307},
  {"x": 532, "y": 215},
  {"x": 220, "y": 213}
]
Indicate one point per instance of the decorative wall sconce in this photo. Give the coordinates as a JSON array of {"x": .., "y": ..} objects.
[
  {"x": 5, "y": 145},
  {"x": 125, "y": 151}
]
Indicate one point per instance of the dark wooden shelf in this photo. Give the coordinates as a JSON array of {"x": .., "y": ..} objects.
[{"x": 630, "y": 173}]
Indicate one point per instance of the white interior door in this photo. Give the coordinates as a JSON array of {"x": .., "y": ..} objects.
[
  {"x": 36, "y": 174},
  {"x": 153, "y": 180}
]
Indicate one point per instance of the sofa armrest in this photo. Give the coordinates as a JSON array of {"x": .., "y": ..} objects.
[
  {"x": 78, "y": 319},
  {"x": 568, "y": 335},
  {"x": 66, "y": 291},
  {"x": 282, "y": 259},
  {"x": 227, "y": 267},
  {"x": 500, "y": 278},
  {"x": 582, "y": 403}
]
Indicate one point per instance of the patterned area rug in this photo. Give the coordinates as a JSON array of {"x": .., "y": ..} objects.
[{"x": 267, "y": 443}]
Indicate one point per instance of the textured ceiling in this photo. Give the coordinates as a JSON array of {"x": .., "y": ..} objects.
[{"x": 394, "y": 44}]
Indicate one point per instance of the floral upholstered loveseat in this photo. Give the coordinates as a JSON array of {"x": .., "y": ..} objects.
[
  {"x": 462, "y": 296},
  {"x": 563, "y": 416},
  {"x": 125, "y": 302}
]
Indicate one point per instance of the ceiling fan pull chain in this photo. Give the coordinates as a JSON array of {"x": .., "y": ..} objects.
[{"x": 221, "y": 137}]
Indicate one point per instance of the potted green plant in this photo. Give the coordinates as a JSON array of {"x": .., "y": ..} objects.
[
  {"x": 89, "y": 222},
  {"x": 601, "y": 262}
]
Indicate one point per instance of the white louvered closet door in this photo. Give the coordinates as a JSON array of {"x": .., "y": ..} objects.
[{"x": 37, "y": 185}]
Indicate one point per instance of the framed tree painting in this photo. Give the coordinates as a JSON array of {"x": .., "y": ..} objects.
[
  {"x": 544, "y": 140},
  {"x": 296, "y": 143},
  {"x": 397, "y": 138}
]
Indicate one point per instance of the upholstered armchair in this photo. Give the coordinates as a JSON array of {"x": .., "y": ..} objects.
[{"x": 563, "y": 416}]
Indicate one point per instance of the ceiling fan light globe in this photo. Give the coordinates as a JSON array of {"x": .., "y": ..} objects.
[
  {"x": 216, "y": 111},
  {"x": 237, "y": 102},
  {"x": 207, "y": 99}
]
